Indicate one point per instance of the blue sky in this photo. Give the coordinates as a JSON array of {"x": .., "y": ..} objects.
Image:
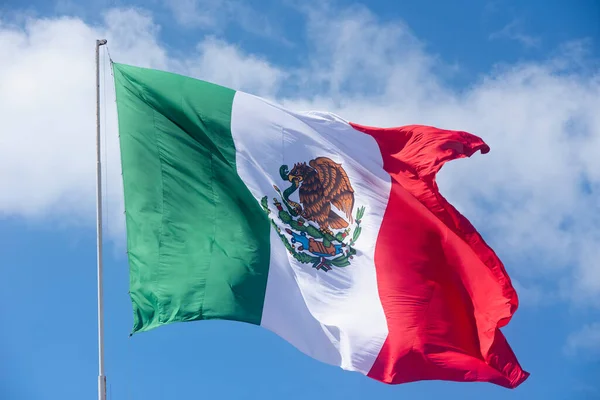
[{"x": 524, "y": 75}]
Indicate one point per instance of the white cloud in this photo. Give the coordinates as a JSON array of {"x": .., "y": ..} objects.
[
  {"x": 225, "y": 64},
  {"x": 195, "y": 12},
  {"x": 585, "y": 341},
  {"x": 514, "y": 31},
  {"x": 37, "y": 143},
  {"x": 217, "y": 15},
  {"x": 534, "y": 196},
  {"x": 533, "y": 295}
]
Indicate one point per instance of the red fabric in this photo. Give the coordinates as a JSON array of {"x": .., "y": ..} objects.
[{"x": 444, "y": 292}]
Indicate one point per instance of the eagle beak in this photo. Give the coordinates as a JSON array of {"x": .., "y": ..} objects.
[{"x": 295, "y": 178}]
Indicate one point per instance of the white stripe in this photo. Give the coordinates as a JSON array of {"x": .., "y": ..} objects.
[{"x": 336, "y": 316}]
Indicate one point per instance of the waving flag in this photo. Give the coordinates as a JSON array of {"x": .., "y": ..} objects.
[{"x": 331, "y": 234}]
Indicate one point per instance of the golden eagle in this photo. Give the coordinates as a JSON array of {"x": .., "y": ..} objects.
[{"x": 323, "y": 182}]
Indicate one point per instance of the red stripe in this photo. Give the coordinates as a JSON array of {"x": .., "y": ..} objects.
[{"x": 444, "y": 292}]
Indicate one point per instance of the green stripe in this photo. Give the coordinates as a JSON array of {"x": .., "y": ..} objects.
[{"x": 198, "y": 241}]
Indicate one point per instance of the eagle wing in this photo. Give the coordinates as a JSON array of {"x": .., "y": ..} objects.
[
  {"x": 314, "y": 205},
  {"x": 336, "y": 185}
]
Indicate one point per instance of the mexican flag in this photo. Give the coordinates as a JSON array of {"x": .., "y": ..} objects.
[{"x": 331, "y": 234}]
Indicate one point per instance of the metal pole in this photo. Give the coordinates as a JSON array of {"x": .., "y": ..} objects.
[{"x": 101, "y": 377}]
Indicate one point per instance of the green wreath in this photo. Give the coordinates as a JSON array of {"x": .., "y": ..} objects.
[{"x": 299, "y": 225}]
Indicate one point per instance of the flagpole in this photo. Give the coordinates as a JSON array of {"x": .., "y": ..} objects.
[{"x": 101, "y": 376}]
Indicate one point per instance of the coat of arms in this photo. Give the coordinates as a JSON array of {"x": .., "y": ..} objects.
[{"x": 312, "y": 231}]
